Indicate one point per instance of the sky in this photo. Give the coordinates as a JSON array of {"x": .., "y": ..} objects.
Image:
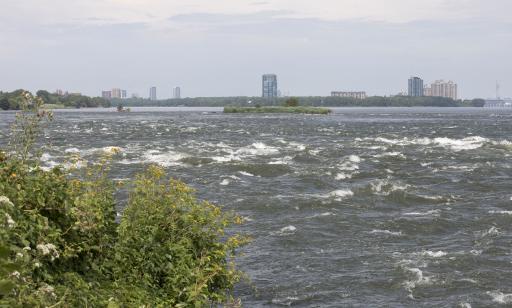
[{"x": 222, "y": 47}]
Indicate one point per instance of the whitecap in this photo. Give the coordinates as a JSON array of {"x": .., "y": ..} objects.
[
  {"x": 166, "y": 159},
  {"x": 501, "y": 212},
  {"x": 340, "y": 194},
  {"x": 224, "y": 182},
  {"x": 386, "y": 232},
  {"x": 428, "y": 213},
  {"x": 72, "y": 150},
  {"x": 343, "y": 176},
  {"x": 500, "y": 297},
  {"x": 434, "y": 254},
  {"x": 245, "y": 173}
]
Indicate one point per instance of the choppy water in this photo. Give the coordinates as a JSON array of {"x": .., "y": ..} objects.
[{"x": 395, "y": 207}]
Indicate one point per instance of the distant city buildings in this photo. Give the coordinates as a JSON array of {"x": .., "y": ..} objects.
[
  {"x": 176, "y": 93},
  {"x": 357, "y": 95},
  {"x": 442, "y": 88},
  {"x": 415, "y": 87},
  {"x": 498, "y": 103},
  {"x": 106, "y": 94},
  {"x": 152, "y": 93},
  {"x": 269, "y": 86},
  {"x": 114, "y": 93},
  {"x": 59, "y": 92}
]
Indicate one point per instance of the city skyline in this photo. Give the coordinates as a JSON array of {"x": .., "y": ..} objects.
[{"x": 315, "y": 48}]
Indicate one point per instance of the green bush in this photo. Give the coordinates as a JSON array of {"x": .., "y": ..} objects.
[{"x": 60, "y": 245}]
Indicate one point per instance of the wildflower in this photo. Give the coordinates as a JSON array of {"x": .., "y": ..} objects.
[
  {"x": 37, "y": 264},
  {"x": 19, "y": 255},
  {"x": 26, "y": 248},
  {"x": 5, "y": 200},
  {"x": 15, "y": 274},
  {"x": 10, "y": 222},
  {"x": 48, "y": 249}
]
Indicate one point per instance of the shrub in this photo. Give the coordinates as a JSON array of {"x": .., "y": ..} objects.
[
  {"x": 61, "y": 246},
  {"x": 291, "y": 102}
]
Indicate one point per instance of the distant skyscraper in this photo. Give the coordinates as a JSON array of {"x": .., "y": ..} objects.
[
  {"x": 152, "y": 93},
  {"x": 124, "y": 94},
  {"x": 415, "y": 86},
  {"x": 116, "y": 93},
  {"x": 106, "y": 94},
  {"x": 176, "y": 92},
  {"x": 269, "y": 87},
  {"x": 444, "y": 89}
]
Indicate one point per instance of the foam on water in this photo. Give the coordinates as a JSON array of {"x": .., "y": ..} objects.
[
  {"x": 340, "y": 194},
  {"x": 386, "y": 232},
  {"x": 468, "y": 143},
  {"x": 165, "y": 159},
  {"x": 500, "y": 297}
]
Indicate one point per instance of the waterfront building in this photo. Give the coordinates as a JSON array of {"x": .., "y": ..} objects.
[
  {"x": 415, "y": 86},
  {"x": 116, "y": 93},
  {"x": 444, "y": 89},
  {"x": 106, "y": 94},
  {"x": 357, "y": 95},
  {"x": 124, "y": 94},
  {"x": 152, "y": 93},
  {"x": 427, "y": 91},
  {"x": 269, "y": 86},
  {"x": 176, "y": 93},
  {"x": 498, "y": 103}
]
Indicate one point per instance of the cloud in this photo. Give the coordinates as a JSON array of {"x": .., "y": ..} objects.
[{"x": 158, "y": 12}]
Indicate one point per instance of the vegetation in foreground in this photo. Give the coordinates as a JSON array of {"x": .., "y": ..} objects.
[{"x": 60, "y": 244}]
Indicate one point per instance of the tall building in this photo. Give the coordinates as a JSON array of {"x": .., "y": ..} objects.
[
  {"x": 152, "y": 93},
  {"x": 176, "y": 92},
  {"x": 269, "y": 86},
  {"x": 124, "y": 94},
  {"x": 116, "y": 93},
  {"x": 415, "y": 86},
  {"x": 106, "y": 94},
  {"x": 444, "y": 89},
  {"x": 357, "y": 95}
]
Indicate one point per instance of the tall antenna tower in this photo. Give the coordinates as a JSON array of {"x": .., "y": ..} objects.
[{"x": 497, "y": 90}]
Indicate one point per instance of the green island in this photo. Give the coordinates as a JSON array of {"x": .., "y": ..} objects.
[
  {"x": 277, "y": 109},
  {"x": 62, "y": 243}
]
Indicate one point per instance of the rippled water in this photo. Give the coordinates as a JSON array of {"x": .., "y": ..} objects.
[{"x": 397, "y": 207}]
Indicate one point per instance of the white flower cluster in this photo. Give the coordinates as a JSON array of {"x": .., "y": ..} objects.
[
  {"x": 48, "y": 249},
  {"x": 5, "y": 200},
  {"x": 48, "y": 289},
  {"x": 10, "y": 222}
]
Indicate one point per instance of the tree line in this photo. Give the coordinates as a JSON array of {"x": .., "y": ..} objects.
[
  {"x": 317, "y": 101},
  {"x": 13, "y": 100}
]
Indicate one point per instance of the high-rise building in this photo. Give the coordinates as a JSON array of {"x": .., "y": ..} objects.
[
  {"x": 357, "y": 95},
  {"x": 176, "y": 92},
  {"x": 269, "y": 86},
  {"x": 116, "y": 93},
  {"x": 415, "y": 86},
  {"x": 427, "y": 90},
  {"x": 444, "y": 89},
  {"x": 106, "y": 94},
  {"x": 124, "y": 94},
  {"x": 152, "y": 93}
]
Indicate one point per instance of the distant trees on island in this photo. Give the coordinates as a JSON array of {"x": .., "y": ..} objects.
[
  {"x": 317, "y": 101},
  {"x": 12, "y": 100}
]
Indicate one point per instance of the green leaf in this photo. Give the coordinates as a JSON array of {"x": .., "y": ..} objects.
[{"x": 6, "y": 286}]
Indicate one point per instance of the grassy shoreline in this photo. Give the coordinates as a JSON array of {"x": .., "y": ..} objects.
[{"x": 272, "y": 109}]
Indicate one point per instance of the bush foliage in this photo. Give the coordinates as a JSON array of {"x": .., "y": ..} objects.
[{"x": 60, "y": 244}]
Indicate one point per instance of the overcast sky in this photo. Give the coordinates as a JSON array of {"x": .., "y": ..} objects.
[{"x": 222, "y": 47}]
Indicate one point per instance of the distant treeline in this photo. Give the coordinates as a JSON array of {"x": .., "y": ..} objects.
[
  {"x": 11, "y": 100},
  {"x": 244, "y": 101}
]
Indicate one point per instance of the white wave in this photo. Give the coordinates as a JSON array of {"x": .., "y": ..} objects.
[
  {"x": 468, "y": 143},
  {"x": 387, "y": 232},
  {"x": 418, "y": 279},
  {"x": 326, "y": 214},
  {"x": 340, "y": 194},
  {"x": 224, "y": 182},
  {"x": 434, "y": 254},
  {"x": 72, "y": 150},
  {"x": 390, "y": 154},
  {"x": 428, "y": 213},
  {"x": 354, "y": 158},
  {"x": 166, "y": 159},
  {"x": 258, "y": 148},
  {"x": 493, "y": 231},
  {"x": 343, "y": 176},
  {"x": 476, "y": 252},
  {"x": 246, "y": 173},
  {"x": 386, "y": 187},
  {"x": 288, "y": 230},
  {"x": 501, "y": 212},
  {"x": 500, "y": 297},
  {"x": 465, "y": 305},
  {"x": 281, "y": 161}
]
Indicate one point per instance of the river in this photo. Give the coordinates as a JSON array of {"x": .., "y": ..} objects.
[{"x": 366, "y": 207}]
